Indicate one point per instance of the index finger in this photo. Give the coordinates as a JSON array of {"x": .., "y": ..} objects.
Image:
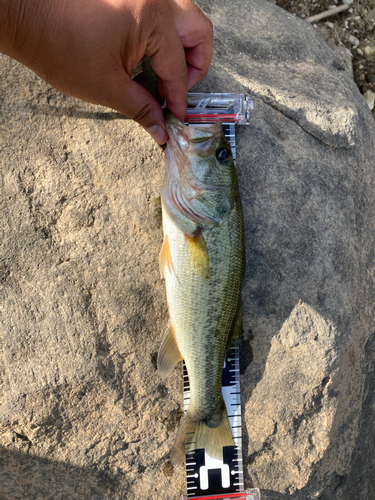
[
  {"x": 196, "y": 33},
  {"x": 199, "y": 60},
  {"x": 168, "y": 61}
]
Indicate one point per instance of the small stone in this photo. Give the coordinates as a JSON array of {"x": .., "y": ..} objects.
[
  {"x": 330, "y": 7},
  {"x": 353, "y": 40},
  {"x": 347, "y": 2},
  {"x": 167, "y": 469},
  {"x": 359, "y": 51},
  {"x": 330, "y": 25},
  {"x": 369, "y": 52},
  {"x": 369, "y": 98},
  {"x": 361, "y": 77}
]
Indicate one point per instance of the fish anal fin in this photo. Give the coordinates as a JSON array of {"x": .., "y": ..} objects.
[
  {"x": 169, "y": 353},
  {"x": 194, "y": 434},
  {"x": 165, "y": 258},
  {"x": 236, "y": 331},
  {"x": 198, "y": 254}
]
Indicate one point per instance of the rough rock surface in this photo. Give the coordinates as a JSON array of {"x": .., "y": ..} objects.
[{"x": 83, "y": 413}]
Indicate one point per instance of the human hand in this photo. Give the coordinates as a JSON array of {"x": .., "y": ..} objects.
[{"x": 88, "y": 49}]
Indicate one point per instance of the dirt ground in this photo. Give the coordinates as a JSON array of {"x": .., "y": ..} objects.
[{"x": 353, "y": 29}]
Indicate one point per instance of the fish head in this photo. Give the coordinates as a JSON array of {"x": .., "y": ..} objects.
[
  {"x": 202, "y": 154},
  {"x": 199, "y": 171}
]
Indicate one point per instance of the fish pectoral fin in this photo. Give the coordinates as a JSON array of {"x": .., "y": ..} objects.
[
  {"x": 198, "y": 254},
  {"x": 236, "y": 332},
  {"x": 165, "y": 258},
  {"x": 169, "y": 354}
]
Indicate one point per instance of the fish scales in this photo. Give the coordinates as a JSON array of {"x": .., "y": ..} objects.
[
  {"x": 198, "y": 326},
  {"x": 204, "y": 309}
]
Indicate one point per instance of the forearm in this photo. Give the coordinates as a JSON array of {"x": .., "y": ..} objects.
[
  {"x": 25, "y": 27},
  {"x": 57, "y": 39}
]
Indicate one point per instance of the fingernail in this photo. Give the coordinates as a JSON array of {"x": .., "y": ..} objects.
[{"x": 158, "y": 134}]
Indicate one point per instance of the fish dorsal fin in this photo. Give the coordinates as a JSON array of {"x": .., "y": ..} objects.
[
  {"x": 198, "y": 254},
  {"x": 169, "y": 353},
  {"x": 165, "y": 258}
]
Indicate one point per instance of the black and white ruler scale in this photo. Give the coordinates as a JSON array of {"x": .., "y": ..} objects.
[{"x": 206, "y": 477}]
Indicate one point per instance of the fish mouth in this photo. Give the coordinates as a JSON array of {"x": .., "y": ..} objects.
[
  {"x": 176, "y": 165},
  {"x": 176, "y": 131},
  {"x": 185, "y": 140},
  {"x": 176, "y": 152},
  {"x": 194, "y": 137},
  {"x": 187, "y": 146},
  {"x": 181, "y": 147}
]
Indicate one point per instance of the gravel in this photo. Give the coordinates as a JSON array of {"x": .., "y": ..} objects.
[{"x": 353, "y": 29}]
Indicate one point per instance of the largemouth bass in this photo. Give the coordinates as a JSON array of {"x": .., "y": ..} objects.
[{"x": 202, "y": 261}]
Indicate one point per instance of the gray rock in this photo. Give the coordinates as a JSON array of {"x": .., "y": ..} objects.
[{"x": 83, "y": 413}]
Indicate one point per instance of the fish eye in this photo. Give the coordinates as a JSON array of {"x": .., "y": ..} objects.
[{"x": 223, "y": 155}]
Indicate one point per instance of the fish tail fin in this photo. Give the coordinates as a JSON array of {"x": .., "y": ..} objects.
[{"x": 194, "y": 434}]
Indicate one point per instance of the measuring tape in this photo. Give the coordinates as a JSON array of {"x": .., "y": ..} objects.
[{"x": 206, "y": 477}]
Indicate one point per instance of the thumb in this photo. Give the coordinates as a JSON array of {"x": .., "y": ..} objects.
[{"x": 138, "y": 104}]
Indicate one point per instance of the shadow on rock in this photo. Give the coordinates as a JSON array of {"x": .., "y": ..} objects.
[{"x": 27, "y": 476}]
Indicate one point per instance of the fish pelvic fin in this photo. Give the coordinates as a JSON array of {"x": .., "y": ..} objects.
[
  {"x": 169, "y": 354},
  {"x": 165, "y": 258},
  {"x": 194, "y": 434},
  {"x": 198, "y": 254}
]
